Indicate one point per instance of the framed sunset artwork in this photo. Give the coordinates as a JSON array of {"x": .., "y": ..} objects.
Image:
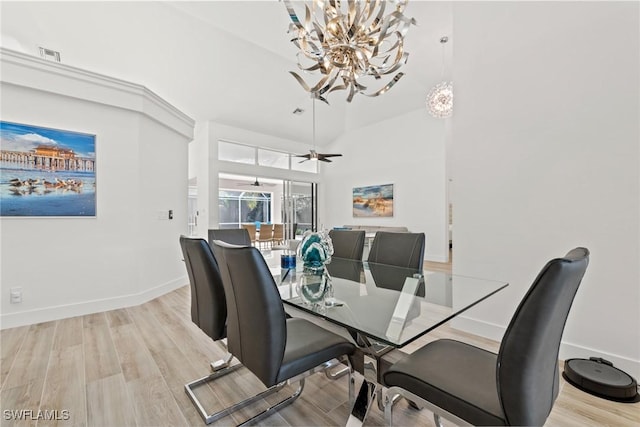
[{"x": 374, "y": 200}]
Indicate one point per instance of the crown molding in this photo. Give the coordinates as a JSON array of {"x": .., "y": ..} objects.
[{"x": 24, "y": 70}]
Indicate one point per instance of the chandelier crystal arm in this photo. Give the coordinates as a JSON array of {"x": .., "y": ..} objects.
[
  {"x": 325, "y": 87},
  {"x": 300, "y": 80},
  {"x": 354, "y": 16},
  {"x": 380, "y": 17},
  {"x": 338, "y": 87},
  {"x": 387, "y": 86}
]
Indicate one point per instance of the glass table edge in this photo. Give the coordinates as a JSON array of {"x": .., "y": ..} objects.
[
  {"x": 445, "y": 320},
  {"x": 402, "y": 343},
  {"x": 408, "y": 340}
]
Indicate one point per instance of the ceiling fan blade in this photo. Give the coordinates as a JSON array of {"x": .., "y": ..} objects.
[
  {"x": 322, "y": 159},
  {"x": 329, "y": 155},
  {"x": 302, "y": 161},
  {"x": 307, "y": 156}
]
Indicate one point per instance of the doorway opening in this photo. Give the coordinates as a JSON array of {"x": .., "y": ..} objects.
[{"x": 249, "y": 199}]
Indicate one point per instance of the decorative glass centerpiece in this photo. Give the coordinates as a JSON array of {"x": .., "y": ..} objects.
[{"x": 315, "y": 251}]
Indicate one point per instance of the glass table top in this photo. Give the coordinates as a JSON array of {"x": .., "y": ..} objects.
[{"x": 389, "y": 304}]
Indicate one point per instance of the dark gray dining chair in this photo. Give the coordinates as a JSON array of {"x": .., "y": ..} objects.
[
  {"x": 401, "y": 249},
  {"x": 393, "y": 277},
  {"x": 347, "y": 244},
  {"x": 517, "y": 386},
  {"x": 235, "y": 236},
  {"x": 347, "y": 269},
  {"x": 275, "y": 349},
  {"x": 208, "y": 306}
]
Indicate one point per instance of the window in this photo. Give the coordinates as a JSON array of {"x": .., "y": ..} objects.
[
  {"x": 250, "y": 155},
  {"x": 238, "y": 207},
  {"x": 274, "y": 159},
  {"x": 237, "y": 153}
]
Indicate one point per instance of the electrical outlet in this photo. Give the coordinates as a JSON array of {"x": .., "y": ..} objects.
[{"x": 15, "y": 295}]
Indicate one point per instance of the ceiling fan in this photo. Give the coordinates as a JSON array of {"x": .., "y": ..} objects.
[
  {"x": 256, "y": 183},
  {"x": 313, "y": 154}
]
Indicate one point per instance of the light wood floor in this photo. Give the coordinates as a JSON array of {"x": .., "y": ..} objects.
[{"x": 128, "y": 367}]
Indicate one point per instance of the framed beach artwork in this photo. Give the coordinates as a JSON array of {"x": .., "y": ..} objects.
[
  {"x": 46, "y": 172},
  {"x": 374, "y": 200}
]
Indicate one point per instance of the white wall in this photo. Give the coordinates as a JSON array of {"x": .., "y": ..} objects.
[
  {"x": 546, "y": 158},
  {"x": 407, "y": 151},
  {"x": 125, "y": 255},
  {"x": 199, "y": 169},
  {"x": 163, "y": 186}
]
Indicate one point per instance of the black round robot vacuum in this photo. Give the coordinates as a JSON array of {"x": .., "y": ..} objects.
[{"x": 598, "y": 377}]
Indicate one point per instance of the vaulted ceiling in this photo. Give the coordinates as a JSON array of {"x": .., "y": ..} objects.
[{"x": 226, "y": 61}]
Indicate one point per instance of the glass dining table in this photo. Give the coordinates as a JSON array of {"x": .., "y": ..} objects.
[{"x": 383, "y": 308}]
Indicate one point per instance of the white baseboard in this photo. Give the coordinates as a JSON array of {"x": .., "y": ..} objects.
[
  {"x": 47, "y": 314},
  {"x": 478, "y": 327},
  {"x": 567, "y": 350},
  {"x": 436, "y": 258}
]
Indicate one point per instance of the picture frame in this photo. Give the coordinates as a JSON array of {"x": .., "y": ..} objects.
[
  {"x": 46, "y": 172},
  {"x": 373, "y": 201}
]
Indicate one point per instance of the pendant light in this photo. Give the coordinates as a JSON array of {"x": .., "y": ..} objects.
[{"x": 440, "y": 97}]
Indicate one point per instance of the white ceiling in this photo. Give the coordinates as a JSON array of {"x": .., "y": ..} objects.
[{"x": 226, "y": 61}]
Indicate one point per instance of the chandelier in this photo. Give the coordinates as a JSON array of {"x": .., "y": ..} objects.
[
  {"x": 349, "y": 43},
  {"x": 440, "y": 97}
]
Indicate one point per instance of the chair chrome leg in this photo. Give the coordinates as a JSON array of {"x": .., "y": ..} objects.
[
  {"x": 379, "y": 399},
  {"x": 222, "y": 363},
  {"x": 390, "y": 400},
  {"x": 338, "y": 374},
  {"x": 270, "y": 410},
  {"x": 209, "y": 418},
  {"x": 188, "y": 388},
  {"x": 395, "y": 393},
  {"x": 415, "y": 405},
  {"x": 346, "y": 369}
]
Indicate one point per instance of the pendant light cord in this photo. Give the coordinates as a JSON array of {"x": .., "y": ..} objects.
[{"x": 443, "y": 41}]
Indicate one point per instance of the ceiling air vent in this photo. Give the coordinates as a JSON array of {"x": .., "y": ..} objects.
[{"x": 49, "y": 54}]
